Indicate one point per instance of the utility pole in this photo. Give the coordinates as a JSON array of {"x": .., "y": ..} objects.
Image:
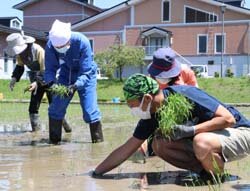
[{"x": 223, "y": 9}]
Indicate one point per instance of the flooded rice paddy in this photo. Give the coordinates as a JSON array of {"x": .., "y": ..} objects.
[{"x": 28, "y": 162}]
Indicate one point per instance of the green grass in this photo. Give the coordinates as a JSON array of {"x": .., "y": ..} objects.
[{"x": 228, "y": 90}]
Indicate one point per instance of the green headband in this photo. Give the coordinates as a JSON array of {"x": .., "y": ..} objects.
[{"x": 138, "y": 85}]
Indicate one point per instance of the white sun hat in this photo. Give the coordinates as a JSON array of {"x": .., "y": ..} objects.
[
  {"x": 17, "y": 43},
  {"x": 59, "y": 33}
]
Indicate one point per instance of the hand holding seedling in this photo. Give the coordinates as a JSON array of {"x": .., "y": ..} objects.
[
  {"x": 182, "y": 131},
  {"x": 32, "y": 87},
  {"x": 175, "y": 111}
]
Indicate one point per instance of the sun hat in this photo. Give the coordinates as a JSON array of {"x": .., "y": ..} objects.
[
  {"x": 59, "y": 33},
  {"x": 17, "y": 43},
  {"x": 138, "y": 85},
  {"x": 164, "y": 64}
]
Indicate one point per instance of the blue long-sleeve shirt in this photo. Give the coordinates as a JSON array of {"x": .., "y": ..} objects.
[{"x": 73, "y": 67}]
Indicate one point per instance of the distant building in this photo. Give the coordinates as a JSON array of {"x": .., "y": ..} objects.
[
  {"x": 41, "y": 14},
  {"x": 38, "y": 17},
  {"x": 200, "y": 30},
  {"x": 12, "y": 22}
]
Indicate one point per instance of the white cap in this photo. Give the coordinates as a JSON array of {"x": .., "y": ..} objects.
[{"x": 60, "y": 33}]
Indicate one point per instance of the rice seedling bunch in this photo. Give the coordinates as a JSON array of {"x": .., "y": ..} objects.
[
  {"x": 59, "y": 90},
  {"x": 175, "y": 111},
  {"x": 26, "y": 89}
]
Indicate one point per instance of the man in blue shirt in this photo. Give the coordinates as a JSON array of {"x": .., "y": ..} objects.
[
  {"x": 220, "y": 132},
  {"x": 69, "y": 61}
]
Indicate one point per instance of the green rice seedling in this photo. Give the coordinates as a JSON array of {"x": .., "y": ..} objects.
[
  {"x": 59, "y": 90},
  {"x": 26, "y": 89},
  {"x": 176, "y": 110}
]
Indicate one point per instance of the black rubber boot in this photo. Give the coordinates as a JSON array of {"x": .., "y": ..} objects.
[
  {"x": 34, "y": 121},
  {"x": 96, "y": 132},
  {"x": 55, "y": 130},
  {"x": 66, "y": 126}
]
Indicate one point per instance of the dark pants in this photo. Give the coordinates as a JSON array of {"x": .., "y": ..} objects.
[{"x": 35, "y": 100}]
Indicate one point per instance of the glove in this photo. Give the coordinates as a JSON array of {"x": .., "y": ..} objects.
[
  {"x": 182, "y": 131},
  {"x": 12, "y": 83},
  {"x": 71, "y": 90}
]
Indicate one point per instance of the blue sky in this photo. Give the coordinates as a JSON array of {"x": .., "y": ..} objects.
[{"x": 6, "y": 7}]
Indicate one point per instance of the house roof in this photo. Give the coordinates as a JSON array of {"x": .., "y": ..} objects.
[
  {"x": 25, "y": 3},
  {"x": 6, "y": 20},
  {"x": 127, "y": 4},
  {"x": 155, "y": 30},
  {"x": 9, "y": 18},
  {"x": 31, "y": 32}
]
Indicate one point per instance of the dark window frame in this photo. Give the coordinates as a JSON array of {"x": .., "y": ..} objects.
[
  {"x": 199, "y": 44},
  {"x": 193, "y": 15},
  {"x": 166, "y": 15}
]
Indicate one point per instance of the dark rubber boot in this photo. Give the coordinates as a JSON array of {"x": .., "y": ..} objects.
[
  {"x": 96, "y": 132},
  {"x": 34, "y": 121},
  {"x": 55, "y": 130},
  {"x": 66, "y": 126}
]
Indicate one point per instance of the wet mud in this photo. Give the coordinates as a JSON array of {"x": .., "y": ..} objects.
[{"x": 29, "y": 162}]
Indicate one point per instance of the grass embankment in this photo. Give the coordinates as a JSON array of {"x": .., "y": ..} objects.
[{"x": 228, "y": 90}]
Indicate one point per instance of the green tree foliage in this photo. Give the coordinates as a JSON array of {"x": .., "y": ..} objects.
[
  {"x": 105, "y": 62},
  {"x": 119, "y": 56}
]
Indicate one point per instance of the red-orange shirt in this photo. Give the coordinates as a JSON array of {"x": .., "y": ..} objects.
[{"x": 186, "y": 77}]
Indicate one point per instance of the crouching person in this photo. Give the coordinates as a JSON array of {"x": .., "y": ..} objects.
[
  {"x": 68, "y": 56},
  {"x": 220, "y": 134}
]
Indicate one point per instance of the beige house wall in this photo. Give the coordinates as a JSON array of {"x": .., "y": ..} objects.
[
  {"x": 112, "y": 23},
  {"x": 103, "y": 42},
  {"x": 150, "y": 12},
  {"x": 133, "y": 37},
  {"x": 185, "y": 38},
  {"x": 46, "y": 10}
]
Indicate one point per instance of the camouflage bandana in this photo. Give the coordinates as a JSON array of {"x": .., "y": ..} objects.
[{"x": 138, "y": 85}]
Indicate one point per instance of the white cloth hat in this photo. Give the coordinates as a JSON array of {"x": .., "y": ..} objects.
[
  {"x": 17, "y": 43},
  {"x": 59, "y": 33}
]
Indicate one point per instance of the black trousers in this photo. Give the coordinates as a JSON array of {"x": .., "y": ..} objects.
[{"x": 35, "y": 100}]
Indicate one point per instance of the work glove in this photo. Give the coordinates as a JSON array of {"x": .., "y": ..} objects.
[
  {"x": 12, "y": 83},
  {"x": 71, "y": 90},
  {"x": 182, "y": 131}
]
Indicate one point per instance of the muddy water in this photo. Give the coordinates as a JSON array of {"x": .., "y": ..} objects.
[{"x": 28, "y": 162}]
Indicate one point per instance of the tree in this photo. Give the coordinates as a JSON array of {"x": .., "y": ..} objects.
[
  {"x": 119, "y": 56},
  {"x": 104, "y": 60}
]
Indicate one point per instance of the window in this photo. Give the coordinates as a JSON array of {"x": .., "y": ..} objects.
[
  {"x": 194, "y": 16},
  {"x": 202, "y": 44},
  {"x": 15, "y": 24},
  {"x": 166, "y": 10},
  {"x": 219, "y": 47}
]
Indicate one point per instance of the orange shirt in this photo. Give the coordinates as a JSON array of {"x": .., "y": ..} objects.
[{"x": 186, "y": 77}]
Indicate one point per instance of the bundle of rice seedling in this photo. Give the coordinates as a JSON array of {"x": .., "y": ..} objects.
[
  {"x": 26, "y": 89},
  {"x": 175, "y": 111},
  {"x": 59, "y": 90}
]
